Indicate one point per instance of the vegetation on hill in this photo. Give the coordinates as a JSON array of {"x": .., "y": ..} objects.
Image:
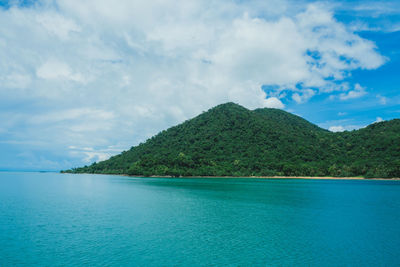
[{"x": 230, "y": 140}]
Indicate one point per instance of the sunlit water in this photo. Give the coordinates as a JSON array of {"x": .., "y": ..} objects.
[{"x": 49, "y": 219}]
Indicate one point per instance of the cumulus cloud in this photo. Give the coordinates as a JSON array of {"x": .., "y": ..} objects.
[
  {"x": 301, "y": 98},
  {"x": 337, "y": 129},
  {"x": 90, "y": 154},
  {"x": 342, "y": 128},
  {"x": 358, "y": 92},
  {"x": 273, "y": 102},
  {"x": 378, "y": 119},
  {"x": 154, "y": 64}
]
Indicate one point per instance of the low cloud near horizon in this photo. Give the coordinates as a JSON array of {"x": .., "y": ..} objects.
[{"x": 92, "y": 78}]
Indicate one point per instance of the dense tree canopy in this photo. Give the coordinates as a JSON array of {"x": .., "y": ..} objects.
[{"x": 230, "y": 140}]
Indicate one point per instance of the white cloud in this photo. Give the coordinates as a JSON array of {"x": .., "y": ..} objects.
[
  {"x": 99, "y": 73},
  {"x": 53, "y": 69},
  {"x": 77, "y": 114},
  {"x": 15, "y": 80},
  {"x": 378, "y": 119},
  {"x": 307, "y": 94},
  {"x": 359, "y": 26},
  {"x": 341, "y": 125},
  {"x": 358, "y": 92},
  {"x": 376, "y": 9},
  {"x": 90, "y": 154},
  {"x": 58, "y": 25},
  {"x": 342, "y": 128},
  {"x": 337, "y": 129},
  {"x": 371, "y": 15},
  {"x": 273, "y": 102}
]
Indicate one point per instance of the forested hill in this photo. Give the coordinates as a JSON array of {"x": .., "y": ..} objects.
[{"x": 230, "y": 140}]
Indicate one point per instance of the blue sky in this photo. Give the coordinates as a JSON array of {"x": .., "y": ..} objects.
[{"x": 83, "y": 80}]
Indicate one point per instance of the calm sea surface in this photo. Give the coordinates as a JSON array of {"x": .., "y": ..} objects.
[{"x": 49, "y": 219}]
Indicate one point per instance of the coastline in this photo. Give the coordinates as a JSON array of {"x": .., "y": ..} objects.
[
  {"x": 247, "y": 177},
  {"x": 267, "y": 177}
]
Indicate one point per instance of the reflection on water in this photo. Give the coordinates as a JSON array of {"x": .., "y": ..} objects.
[{"x": 54, "y": 219}]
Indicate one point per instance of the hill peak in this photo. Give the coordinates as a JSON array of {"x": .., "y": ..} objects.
[{"x": 228, "y": 106}]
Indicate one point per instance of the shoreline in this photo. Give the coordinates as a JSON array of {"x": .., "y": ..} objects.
[
  {"x": 263, "y": 177},
  {"x": 247, "y": 177}
]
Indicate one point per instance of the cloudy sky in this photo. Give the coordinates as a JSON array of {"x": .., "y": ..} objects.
[{"x": 83, "y": 80}]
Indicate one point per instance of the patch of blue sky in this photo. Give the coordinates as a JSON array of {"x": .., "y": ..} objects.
[{"x": 17, "y": 3}]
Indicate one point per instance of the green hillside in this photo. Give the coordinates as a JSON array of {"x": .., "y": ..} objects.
[{"x": 230, "y": 140}]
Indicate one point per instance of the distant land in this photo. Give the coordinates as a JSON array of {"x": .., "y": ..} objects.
[{"x": 230, "y": 140}]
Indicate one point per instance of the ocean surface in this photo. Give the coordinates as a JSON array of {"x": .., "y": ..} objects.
[{"x": 50, "y": 219}]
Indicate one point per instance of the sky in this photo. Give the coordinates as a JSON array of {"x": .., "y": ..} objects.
[{"x": 81, "y": 81}]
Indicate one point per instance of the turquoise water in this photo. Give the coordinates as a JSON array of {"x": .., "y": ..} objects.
[{"x": 49, "y": 219}]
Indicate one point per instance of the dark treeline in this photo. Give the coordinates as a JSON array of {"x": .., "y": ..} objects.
[{"x": 230, "y": 140}]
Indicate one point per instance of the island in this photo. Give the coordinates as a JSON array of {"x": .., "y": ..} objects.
[{"x": 230, "y": 140}]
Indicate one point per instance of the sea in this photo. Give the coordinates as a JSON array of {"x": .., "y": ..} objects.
[{"x": 52, "y": 219}]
